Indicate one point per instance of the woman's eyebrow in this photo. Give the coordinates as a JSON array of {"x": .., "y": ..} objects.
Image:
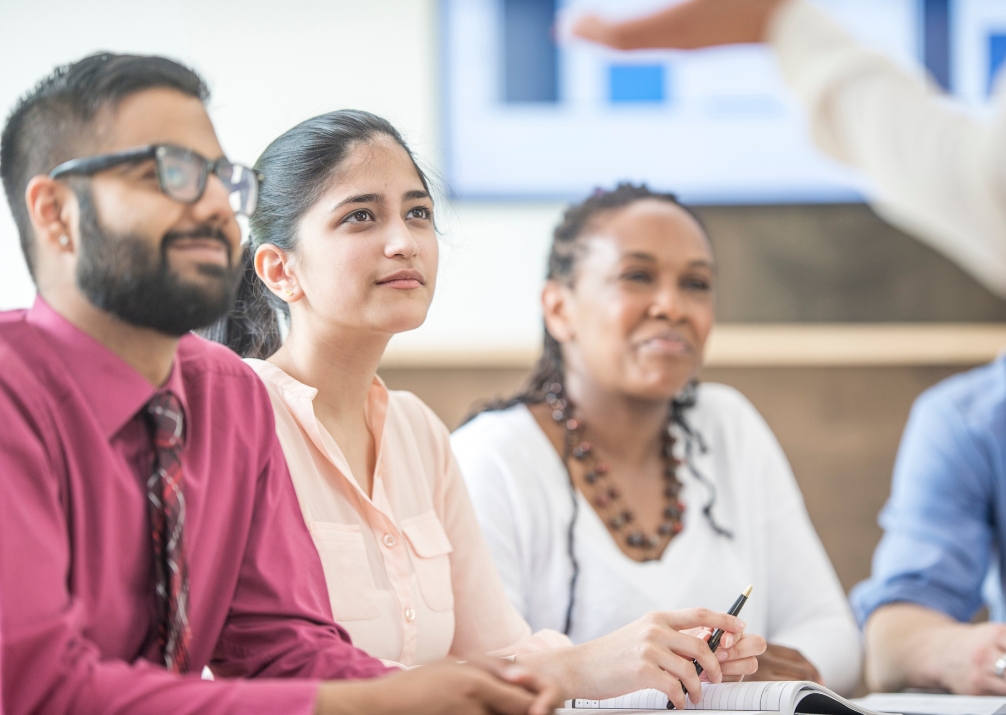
[
  {"x": 702, "y": 263},
  {"x": 650, "y": 258},
  {"x": 640, "y": 256},
  {"x": 360, "y": 199},
  {"x": 415, "y": 194}
]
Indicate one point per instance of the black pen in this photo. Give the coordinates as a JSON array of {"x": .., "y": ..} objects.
[{"x": 714, "y": 639}]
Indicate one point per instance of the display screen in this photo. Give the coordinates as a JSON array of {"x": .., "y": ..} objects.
[{"x": 528, "y": 118}]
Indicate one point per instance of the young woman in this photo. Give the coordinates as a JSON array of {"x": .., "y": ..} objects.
[
  {"x": 614, "y": 485},
  {"x": 344, "y": 242}
]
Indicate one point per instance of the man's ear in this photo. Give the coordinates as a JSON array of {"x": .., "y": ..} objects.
[
  {"x": 273, "y": 266},
  {"x": 557, "y": 306},
  {"x": 54, "y": 214}
]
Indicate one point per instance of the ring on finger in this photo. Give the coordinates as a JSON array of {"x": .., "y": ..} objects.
[{"x": 1000, "y": 666}]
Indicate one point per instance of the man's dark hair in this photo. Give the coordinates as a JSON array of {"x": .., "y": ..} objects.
[{"x": 53, "y": 122}]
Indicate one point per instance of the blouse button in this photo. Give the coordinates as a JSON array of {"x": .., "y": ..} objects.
[
  {"x": 389, "y": 540},
  {"x": 410, "y": 615}
]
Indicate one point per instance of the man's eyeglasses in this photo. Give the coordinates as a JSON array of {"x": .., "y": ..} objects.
[{"x": 181, "y": 172}]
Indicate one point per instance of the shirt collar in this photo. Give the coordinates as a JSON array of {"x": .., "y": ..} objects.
[
  {"x": 299, "y": 400},
  {"x": 112, "y": 388},
  {"x": 377, "y": 396}
]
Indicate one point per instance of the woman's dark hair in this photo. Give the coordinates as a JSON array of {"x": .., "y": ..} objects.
[
  {"x": 299, "y": 166},
  {"x": 549, "y": 372}
]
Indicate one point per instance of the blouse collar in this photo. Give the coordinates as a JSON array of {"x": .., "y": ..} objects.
[{"x": 299, "y": 400}]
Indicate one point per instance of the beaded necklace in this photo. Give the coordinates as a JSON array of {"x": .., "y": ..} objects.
[{"x": 605, "y": 496}]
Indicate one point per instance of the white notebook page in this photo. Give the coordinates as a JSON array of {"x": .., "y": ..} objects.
[
  {"x": 727, "y": 696},
  {"x": 746, "y": 696}
]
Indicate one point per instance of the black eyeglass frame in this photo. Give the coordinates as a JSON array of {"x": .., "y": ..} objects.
[{"x": 93, "y": 164}]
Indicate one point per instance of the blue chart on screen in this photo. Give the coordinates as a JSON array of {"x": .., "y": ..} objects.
[
  {"x": 636, "y": 83},
  {"x": 527, "y": 119}
]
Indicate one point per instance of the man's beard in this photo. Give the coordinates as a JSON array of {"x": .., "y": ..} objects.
[{"x": 124, "y": 276}]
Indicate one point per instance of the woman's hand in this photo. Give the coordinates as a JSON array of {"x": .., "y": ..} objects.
[
  {"x": 481, "y": 687},
  {"x": 547, "y": 694},
  {"x": 781, "y": 663},
  {"x": 686, "y": 26},
  {"x": 737, "y": 653},
  {"x": 649, "y": 653}
]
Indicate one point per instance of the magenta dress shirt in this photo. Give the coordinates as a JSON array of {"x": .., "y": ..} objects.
[
  {"x": 1, "y": 662},
  {"x": 75, "y": 548}
]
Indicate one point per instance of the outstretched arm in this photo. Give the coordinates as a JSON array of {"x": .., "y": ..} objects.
[
  {"x": 685, "y": 26},
  {"x": 938, "y": 174}
]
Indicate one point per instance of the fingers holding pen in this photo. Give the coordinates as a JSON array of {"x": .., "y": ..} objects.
[
  {"x": 662, "y": 650},
  {"x": 736, "y": 660},
  {"x": 736, "y": 651},
  {"x": 746, "y": 646},
  {"x": 670, "y": 667},
  {"x": 729, "y": 639},
  {"x": 697, "y": 650},
  {"x": 662, "y": 680},
  {"x": 678, "y": 660},
  {"x": 661, "y": 634},
  {"x": 740, "y": 657},
  {"x": 670, "y": 673},
  {"x": 703, "y": 617}
]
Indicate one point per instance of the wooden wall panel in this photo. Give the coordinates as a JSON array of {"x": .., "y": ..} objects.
[{"x": 837, "y": 263}]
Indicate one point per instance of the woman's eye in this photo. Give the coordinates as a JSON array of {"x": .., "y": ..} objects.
[
  {"x": 636, "y": 276},
  {"x": 359, "y": 216},
  {"x": 698, "y": 284},
  {"x": 420, "y": 212}
]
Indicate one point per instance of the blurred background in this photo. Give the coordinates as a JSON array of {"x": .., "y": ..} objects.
[{"x": 831, "y": 322}]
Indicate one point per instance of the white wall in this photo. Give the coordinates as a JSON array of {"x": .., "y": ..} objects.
[{"x": 272, "y": 64}]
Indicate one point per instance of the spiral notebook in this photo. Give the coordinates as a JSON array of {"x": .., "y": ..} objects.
[{"x": 788, "y": 698}]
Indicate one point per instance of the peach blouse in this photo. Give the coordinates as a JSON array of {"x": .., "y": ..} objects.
[{"x": 409, "y": 573}]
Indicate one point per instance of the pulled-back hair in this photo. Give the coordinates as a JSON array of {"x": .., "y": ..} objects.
[
  {"x": 568, "y": 247},
  {"x": 299, "y": 166},
  {"x": 54, "y": 122}
]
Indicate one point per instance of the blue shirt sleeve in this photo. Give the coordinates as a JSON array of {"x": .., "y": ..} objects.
[{"x": 938, "y": 523}]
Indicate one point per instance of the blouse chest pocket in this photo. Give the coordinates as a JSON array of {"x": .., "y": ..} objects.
[
  {"x": 430, "y": 552},
  {"x": 350, "y": 584}
]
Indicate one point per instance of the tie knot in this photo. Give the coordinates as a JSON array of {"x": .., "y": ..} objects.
[{"x": 166, "y": 420}]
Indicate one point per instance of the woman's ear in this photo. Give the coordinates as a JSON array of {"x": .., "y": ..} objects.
[
  {"x": 273, "y": 266},
  {"x": 557, "y": 304}
]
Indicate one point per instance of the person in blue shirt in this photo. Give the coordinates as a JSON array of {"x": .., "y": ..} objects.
[{"x": 941, "y": 557}]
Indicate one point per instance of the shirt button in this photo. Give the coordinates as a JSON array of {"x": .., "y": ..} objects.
[
  {"x": 410, "y": 615},
  {"x": 389, "y": 540}
]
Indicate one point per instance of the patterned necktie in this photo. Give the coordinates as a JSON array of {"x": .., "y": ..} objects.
[{"x": 166, "y": 507}]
